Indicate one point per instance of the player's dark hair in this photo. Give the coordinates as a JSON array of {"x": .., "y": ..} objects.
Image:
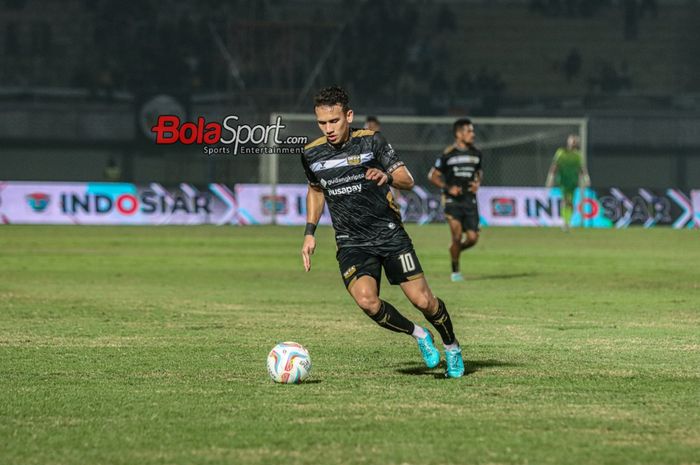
[
  {"x": 459, "y": 124},
  {"x": 330, "y": 96},
  {"x": 372, "y": 119}
]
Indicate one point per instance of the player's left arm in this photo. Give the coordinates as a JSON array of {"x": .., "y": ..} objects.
[
  {"x": 395, "y": 172},
  {"x": 478, "y": 176},
  {"x": 402, "y": 178},
  {"x": 584, "y": 178},
  {"x": 476, "y": 183}
]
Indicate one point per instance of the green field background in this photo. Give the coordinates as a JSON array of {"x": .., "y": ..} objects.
[{"x": 147, "y": 345}]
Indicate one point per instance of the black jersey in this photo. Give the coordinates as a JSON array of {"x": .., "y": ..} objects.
[
  {"x": 459, "y": 168},
  {"x": 363, "y": 213}
]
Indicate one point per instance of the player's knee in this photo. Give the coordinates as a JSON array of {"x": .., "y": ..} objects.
[
  {"x": 423, "y": 301},
  {"x": 473, "y": 237},
  {"x": 369, "y": 303}
]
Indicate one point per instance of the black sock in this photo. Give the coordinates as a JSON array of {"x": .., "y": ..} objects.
[
  {"x": 443, "y": 323},
  {"x": 390, "y": 318},
  {"x": 455, "y": 267}
]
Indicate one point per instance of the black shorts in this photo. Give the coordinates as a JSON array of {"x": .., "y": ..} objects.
[
  {"x": 399, "y": 261},
  {"x": 466, "y": 214}
]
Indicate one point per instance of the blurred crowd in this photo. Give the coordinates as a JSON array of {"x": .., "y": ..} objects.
[{"x": 411, "y": 54}]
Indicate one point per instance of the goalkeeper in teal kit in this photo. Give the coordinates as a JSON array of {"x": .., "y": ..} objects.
[{"x": 568, "y": 172}]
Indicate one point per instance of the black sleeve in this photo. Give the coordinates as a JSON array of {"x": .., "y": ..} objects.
[
  {"x": 313, "y": 180},
  {"x": 439, "y": 163},
  {"x": 385, "y": 153},
  {"x": 481, "y": 157}
]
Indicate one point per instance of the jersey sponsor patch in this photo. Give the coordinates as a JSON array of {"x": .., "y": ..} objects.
[
  {"x": 359, "y": 208},
  {"x": 463, "y": 171},
  {"x": 343, "y": 179},
  {"x": 340, "y": 162},
  {"x": 458, "y": 159},
  {"x": 354, "y": 189}
]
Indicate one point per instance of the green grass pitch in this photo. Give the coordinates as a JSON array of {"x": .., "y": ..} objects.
[{"x": 137, "y": 345}]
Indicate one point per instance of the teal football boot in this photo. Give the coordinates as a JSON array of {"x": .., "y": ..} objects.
[
  {"x": 455, "y": 364},
  {"x": 430, "y": 354}
]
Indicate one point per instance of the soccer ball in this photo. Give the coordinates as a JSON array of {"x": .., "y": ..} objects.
[{"x": 288, "y": 363}]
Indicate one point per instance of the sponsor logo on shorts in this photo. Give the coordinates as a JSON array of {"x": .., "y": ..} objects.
[
  {"x": 349, "y": 272},
  {"x": 354, "y": 189}
]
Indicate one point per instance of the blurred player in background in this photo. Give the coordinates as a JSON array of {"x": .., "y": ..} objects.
[
  {"x": 351, "y": 170},
  {"x": 372, "y": 123},
  {"x": 568, "y": 172},
  {"x": 112, "y": 171},
  {"x": 458, "y": 173}
]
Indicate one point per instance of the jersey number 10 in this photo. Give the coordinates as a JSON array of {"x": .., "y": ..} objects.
[{"x": 407, "y": 262}]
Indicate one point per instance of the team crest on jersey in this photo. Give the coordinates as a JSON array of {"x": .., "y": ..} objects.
[
  {"x": 349, "y": 272},
  {"x": 354, "y": 160}
]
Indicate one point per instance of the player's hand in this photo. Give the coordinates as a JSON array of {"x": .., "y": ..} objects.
[
  {"x": 307, "y": 250},
  {"x": 454, "y": 191},
  {"x": 374, "y": 174},
  {"x": 474, "y": 186}
]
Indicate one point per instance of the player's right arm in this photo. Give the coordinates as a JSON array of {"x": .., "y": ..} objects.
[
  {"x": 314, "y": 210},
  {"x": 552, "y": 171},
  {"x": 435, "y": 177}
]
